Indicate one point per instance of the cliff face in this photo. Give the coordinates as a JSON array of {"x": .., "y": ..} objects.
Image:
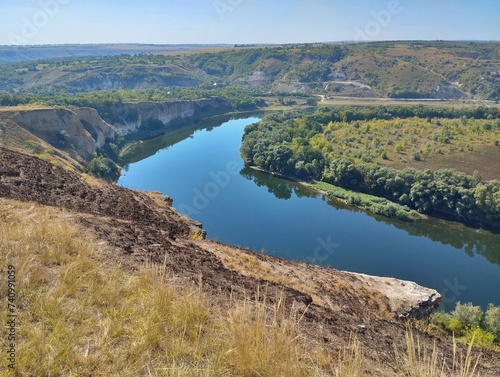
[
  {"x": 139, "y": 116},
  {"x": 82, "y": 131},
  {"x": 61, "y": 128},
  {"x": 100, "y": 131}
]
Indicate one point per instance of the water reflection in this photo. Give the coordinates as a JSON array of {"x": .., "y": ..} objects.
[
  {"x": 143, "y": 149},
  {"x": 471, "y": 241}
]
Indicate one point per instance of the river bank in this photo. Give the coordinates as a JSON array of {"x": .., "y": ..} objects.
[{"x": 365, "y": 202}]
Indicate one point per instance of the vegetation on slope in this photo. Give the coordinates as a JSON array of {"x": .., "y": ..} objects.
[
  {"x": 396, "y": 69},
  {"x": 80, "y": 314},
  {"x": 320, "y": 146},
  {"x": 468, "y": 322}
]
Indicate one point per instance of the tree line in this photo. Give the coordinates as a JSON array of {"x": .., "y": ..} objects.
[{"x": 282, "y": 144}]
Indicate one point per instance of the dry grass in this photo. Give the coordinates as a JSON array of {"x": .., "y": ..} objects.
[
  {"x": 79, "y": 315},
  {"x": 351, "y": 360},
  {"x": 422, "y": 362}
]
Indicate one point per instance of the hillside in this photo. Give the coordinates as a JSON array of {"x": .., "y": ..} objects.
[
  {"x": 74, "y": 136},
  {"x": 440, "y": 70},
  {"x": 16, "y": 54},
  {"x": 134, "y": 229}
]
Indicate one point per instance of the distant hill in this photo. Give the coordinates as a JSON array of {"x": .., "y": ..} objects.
[
  {"x": 17, "y": 54},
  {"x": 441, "y": 70}
]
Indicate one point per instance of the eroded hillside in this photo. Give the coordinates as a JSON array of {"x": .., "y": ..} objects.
[
  {"x": 440, "y": 70},
  {"x": 73, "y": 136},
  {"x": 143, "y": 227}
]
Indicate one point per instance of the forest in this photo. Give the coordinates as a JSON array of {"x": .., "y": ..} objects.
[{"x": 302, "y": 146}]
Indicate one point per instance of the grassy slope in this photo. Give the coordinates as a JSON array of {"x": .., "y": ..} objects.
[
  {"x": 78, "y": 314},
  {"x": 421, "y": 67},
  {"x": 81, "y": 315},
  {"x": 390, "y": 68}
]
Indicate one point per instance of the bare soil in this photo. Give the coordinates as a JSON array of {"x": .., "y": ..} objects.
[
  {"x": 485, "y": 160},
  {"x": 140, "y": 227}
]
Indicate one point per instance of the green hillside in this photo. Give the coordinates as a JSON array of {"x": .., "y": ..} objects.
[{"x": 442, "y": 70}]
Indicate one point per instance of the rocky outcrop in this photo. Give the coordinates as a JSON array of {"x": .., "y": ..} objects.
[
  {"x": 61, "y": 128},
  {"x": 406, "y": 298},
  {"x": 100, "y": 131},
  {"x": 82, "y": 132},
  {"x": 144, "y": 116}
]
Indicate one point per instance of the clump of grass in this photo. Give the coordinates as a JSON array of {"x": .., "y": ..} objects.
[
  {"x": 351, "y": 360},
  {"x": 422, "y": 362},
  {"x": 263, "y": 340},
  {"x": 81, "y": 315}
]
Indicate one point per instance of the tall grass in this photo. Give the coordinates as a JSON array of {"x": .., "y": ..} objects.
[
  {"x": 419, "y": 361},
  {"x": 351, "y": 360},
  {"x": 80, "y": 314}
]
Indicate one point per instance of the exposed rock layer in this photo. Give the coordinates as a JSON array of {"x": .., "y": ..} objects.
[{"x": 82, "y": 132}]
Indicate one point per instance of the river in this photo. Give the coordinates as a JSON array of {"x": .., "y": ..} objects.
[{"x": 201, "y": 169}]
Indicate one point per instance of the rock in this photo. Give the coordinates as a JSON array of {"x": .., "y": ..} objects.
[
  {"x": 134, "y": 116},
  {"x": 406, "y": 298},
  {"x": 100, "y": 131}
]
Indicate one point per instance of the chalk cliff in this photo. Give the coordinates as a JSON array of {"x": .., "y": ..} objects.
[
  {"x": 137, "y": 116},
  {"x": 82, "y": 132}
]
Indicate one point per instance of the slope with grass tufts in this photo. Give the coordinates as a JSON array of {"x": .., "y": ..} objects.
[{"x": 115, "y": 282}]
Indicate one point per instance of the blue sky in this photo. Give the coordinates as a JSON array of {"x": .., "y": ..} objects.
[{"x": 244, "y": 21}]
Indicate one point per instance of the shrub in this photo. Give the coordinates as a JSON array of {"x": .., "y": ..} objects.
[
  {"x": 103, "y": 167},
  {"x": 492, "y": 320},
  {"x": 468, "y": 314},
  {"x": 455, "y": 326},
  {"x": 441, "y": 320},
  {"x": 480, "y": 337}
]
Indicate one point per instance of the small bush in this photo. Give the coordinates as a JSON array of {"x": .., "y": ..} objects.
[
  {"x": 480, "y": 337},
  {"x": 492, "y": 320},
  {"x": 468, "y": 314},
  {"x": 456, "y": 327},
  {"x": 103, "y": 167}
]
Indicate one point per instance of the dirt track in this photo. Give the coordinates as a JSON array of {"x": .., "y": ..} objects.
[{"x": 142, "y": 227}]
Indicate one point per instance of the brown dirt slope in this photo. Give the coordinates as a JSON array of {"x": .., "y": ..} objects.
[{"x": 140, "y": 227}]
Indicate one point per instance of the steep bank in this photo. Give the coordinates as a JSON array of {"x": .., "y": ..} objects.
[
  {"x": 141, "y": 227},
  {"x": 153, "y": 118},
  {"x": 82, "y": 132}
]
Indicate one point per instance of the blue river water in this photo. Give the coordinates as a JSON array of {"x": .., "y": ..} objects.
[{"x": 201, "y": 169}]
